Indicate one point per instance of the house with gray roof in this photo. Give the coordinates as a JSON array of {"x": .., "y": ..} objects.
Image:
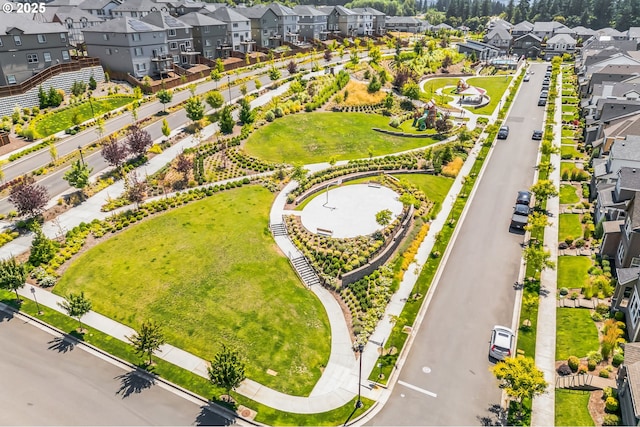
[
  {"x": 27, "y": 47},
  {"x": 312, "y": 23},
  {"x": 495, "y": 23},
  {"x": 482, "y": 51},
  {"x": 500, "y": 38},
  {"x": 521, "y": 28},
  {"x": 208, "y": 33},
  {"x": 441, "y": 27},
  {"x": 379, "y": 19},
  {"x": 633, "y": 33},
  {"x": 264, "y": 26},
  {"x": 611, "y": 33},
  {"x": 583, "y": 33},
  {"x": 560, "y": 44},
  {"x": 341, "y": 20},
  {"x": 628, "y": 379},
  {"x": 528, "y": 45},
  {"x": 238, "y": 30},
  {"x": 614, "y": 192},
  {"x": 100, "y": 8},
  {"x": 178, "y": 35},
  {"x": 546, "y": 29},
  {"x": 74, "y": 19},
  {"x": 406, "y": 24},
  {"x": 129, "y": 46},
  {"x": 365, "y": 21},
  {"x": 140, "y": 8}
]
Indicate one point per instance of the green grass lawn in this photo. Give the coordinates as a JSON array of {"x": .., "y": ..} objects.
[
  {"x": 576, "y": 333},
  {"x": 407, "y": 127},
  {"x": 568, "y": 194},
  {"x": 568, "y": 108},
  {"x": 570, "y": 226},
  {"x": 573, "y": 271},
  {"x": 435, "y": 187},
  {"x": 568, "y": 141},
  {"x": 568, "y": 166},
  {"x": 495, "y": 87},
  {"x": 571, "y": 100},
  {"x": 62, "y": 120},
  {"x": 568, "y": 133},
  {"x": 572, "y": 408},
  {"x": 569, "y": 150},
  {"x": 432, "y": 85},
  {"x": 343, "y": 135},
  {"x": 210, "y": 273}
]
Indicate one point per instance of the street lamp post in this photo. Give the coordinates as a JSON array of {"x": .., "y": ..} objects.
[
  {"x": 33, "y": 292},
  {"x": 81, "y": 156},
  {"x": 360, "y": 350},
  {"x": 229, "y": 87}
]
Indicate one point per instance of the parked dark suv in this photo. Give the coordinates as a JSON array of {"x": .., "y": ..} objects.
[
  {"x": 521, "y": 210},
  {"x": 537, "y": 135},
  {"x": 503, "y": 133},
  {"x": 524, "y": 198}
]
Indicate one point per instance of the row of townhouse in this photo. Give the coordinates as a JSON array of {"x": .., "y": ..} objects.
[
  {"x": 608, "y": 69},
  {"x": 542, "y": 39}
]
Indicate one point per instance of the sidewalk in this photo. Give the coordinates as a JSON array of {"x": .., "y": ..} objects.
[{"x": 543, "y": 409}]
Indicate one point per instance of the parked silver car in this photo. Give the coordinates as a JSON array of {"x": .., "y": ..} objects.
[{"x": 502, "y": 340}]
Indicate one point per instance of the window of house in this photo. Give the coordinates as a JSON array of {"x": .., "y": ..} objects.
[
  {"x": 47, "y": 56},
  {"x": 635, "y": 261},
  {"x": 627, "y": 227},
  {"x": 11, "y": 79},
  {"x": 634, "y": 309},
  {"x": 137, "y": 51},
  {"x": 63, "y": 37},
  {"x": 236, "y": 35},
  {"x": 186, "y": 31},
  {"x": 17, "y": 40},
  {"x": 32, "y": 58},
  {"x": 134, "y": 14},
  {"x": 105, "y": 36},
  {"x": 42, "y": 38},
  {"x": 207, "y": 29},
  {"x": 235, "y": 25},
  {"x": 173, "y": 45},
  {"x": 176, "y": 59},
  {"x": 172, "y": 33},
  {"x": 100, "y": 12},
  {"x": 135, "y": 37},
  {"x": 188, "y": 43},
  {"x": 0, "y": 42},
  {"x": 208, "y": 54},
  {"x": 108, "y": 51},
  {"x": 620, "y": 252},
  {"x": 207, "y": 42},
  {"x": 65, "y": 55},
  {"x": 141, "y": 66}
]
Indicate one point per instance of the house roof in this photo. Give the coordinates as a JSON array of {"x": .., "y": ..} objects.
[
  {"x": 196, "y": 19},
  {"x": 55, "y": 3},
  {"x": 612, "y": 226},
  {"x": 523, "y": 26},
  {"x": 28, "y": 25},
  {"x": 499, "y": 33},
  {"x": 307, "y": 10},
  {"x": 478, "y": 46},
  {"x": 633, "y": 210},
  {"x": 629, "y": 178},
  {"x": 137, "y": 5},
  {"x": 624, "y": 126},
  {"x": 125, "y": 25},
  {"x": 500, "y": 23},
  {"x": 631, "y": 351},
  {"x": 633, "y": 373},
  {"x": 546, "y": 26},
  {"x": 281, "y": 10},
  {"x": 583, "y": 31},
  {"x": 529, "y": 36},
  {"x": 254, "y": 12},
  {"x": 442, "y": 26},
  {"x": 626, "y": 275},
  {"x": 404, "y": 20},
  {"x": 608, "y": 31},
  {"x": 226, "y": 14},
  {"x": 369, "y": 10},
  {"x": 94, "y": 4},
  {"x": 562, "y": 38},
  {"x": 64, "y": 12},
  {"x": 626, "y": 149},
  {"x": 633, "y": 32},
  {"x": 164, "y": 20}
]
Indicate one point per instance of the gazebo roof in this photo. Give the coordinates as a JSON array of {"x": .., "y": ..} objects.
[{"x": 473, "y": 91}]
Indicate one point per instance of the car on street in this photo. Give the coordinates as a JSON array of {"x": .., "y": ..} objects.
[
  {"x": 537, "y": 135},
  {"x": 503, "y": 133},
  {"x": 544, "y": 94},
  {"x": 523, "y": 198},
  {"x": 542, "y": 102},
  {"x": 520, "y": 217},
  {"x": 501, "y": 344},
  {"x": 527, "y": 77}
]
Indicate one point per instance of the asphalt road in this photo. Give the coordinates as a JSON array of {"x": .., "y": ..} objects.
[
  {"x": 54, "y": 182},
  {"x": 446, "y": 378},
  {"x": 46, "y": 381}
]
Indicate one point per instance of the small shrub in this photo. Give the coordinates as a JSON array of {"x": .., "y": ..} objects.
[
  {"x": 618, "y": 358},
  {"x": 603, "y": 373},
  {"x": 602, "y": 309},
  {"x": 611, "y": 420},
  {"x": 611, "y": 405},
  {"x": 582, "y": 369},
  {"x": 564, "y": 369},
  {"x": 595, "y": 356},
  {"x": 573, "y": 363},
  {"x": 608, "y": 392},
  {"x": 619, "y": 316},
  {"x": 568, "y": 240},
  {"x": 596, "y": 317},
  {"x": 591, "y": 365},
  {"x": 564, "y": 291}
]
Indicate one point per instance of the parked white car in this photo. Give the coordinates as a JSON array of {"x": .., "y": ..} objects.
[{"x": 502, "y": 341}]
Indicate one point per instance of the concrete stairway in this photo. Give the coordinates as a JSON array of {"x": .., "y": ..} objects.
[
  {"x": 584, "y": 382},
  {"x": 278, "y": 230},
  {"x": 305, "y": 271}
]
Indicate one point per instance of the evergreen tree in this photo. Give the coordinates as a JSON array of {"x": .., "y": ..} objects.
[
  {"x": 510, "y": 11},
  {"x": 226, "y": 120},
  {"x": 246, "y": 115}
]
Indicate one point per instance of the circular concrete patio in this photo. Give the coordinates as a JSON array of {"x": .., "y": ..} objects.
[{"x": 350, "y": 210}]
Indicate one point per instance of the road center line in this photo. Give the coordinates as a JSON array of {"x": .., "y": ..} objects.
[{"x": 421, "y": 390}]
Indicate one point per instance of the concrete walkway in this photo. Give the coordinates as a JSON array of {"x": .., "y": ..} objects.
[{"x": 543, "y": 410}]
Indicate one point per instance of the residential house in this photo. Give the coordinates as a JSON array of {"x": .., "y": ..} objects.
[
  {"x": 129, "y": 46},
  {"x": 614, "y": 190},
  {"x": 596, "y": 42},
  {"x": 183, "y": 7},
  {"x": 628, "y": 380},
  {"x": 634, "y": 34},
  {"x": 74, "y": 19},
  {"x": 500, "y": 38},
  {"x": 599, "y": 133},
  {"x": 406, "y": 24},
  {"x": 179, "y": 37},
  {"x": 100, "y": 8},
  {"x": 495, "y": 23},
  {"x": 614, "y": 73},
  {"x": 521, "y": 28},
  {"x": 441, "y": 27},
  {"x": 611, "y": 33},
  {"x": 287, "y": 21},
  {"x": 140, "y": 8},
  {"x": 365, "y": 21},
  {"x": 264, "y": 26},
  {"x": 208, "y": 34},
  {"x": 583, "y": 34},
  {"x": 28, "y": 47},
  {"x": 312, "y": 23},
  {"x": 628, "y": 251},
  {"x": 546, "y": 29},
  {"x": 528, "y": 45},
  {"x": 379, "y": 19},
  {"x": 343, "y": 20},
  {"x": 238, "y": 30},
  {"x": 560, "y": 44},
  {"x": 482, "y": 51}
]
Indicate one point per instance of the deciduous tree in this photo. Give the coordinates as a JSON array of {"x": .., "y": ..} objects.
[
  {"x": 12, "y": 275},
  {"x": 183, "y": 165},
  {"x": 214, "y": 99},
  {"x": 384, "y": 217},
  {"x": 194, "y": 108},
  {"x": 538, "y": 258},
  {"x": 227, "y": 369},
  {"x": 226, "y": 120},
  {"x": 76, "y": 305},
  {"x": 148, "y": 339},
  {"x": 115, "y": 152},
  {"x": 543, "y": 189},
  {"x": 520, "y": 378},
  {"x": 78, "y": 175},
  {"x": 138, "y": 140},
  {"x": 165, "y": 97},
  {"x": 28, "y": 197}
]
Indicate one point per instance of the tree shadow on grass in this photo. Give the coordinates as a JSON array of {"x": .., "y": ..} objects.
[
  {"x": 209, "y": 417},
  {"x": 496, "y": 416},
  {"x": 134, "y": 382}
]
